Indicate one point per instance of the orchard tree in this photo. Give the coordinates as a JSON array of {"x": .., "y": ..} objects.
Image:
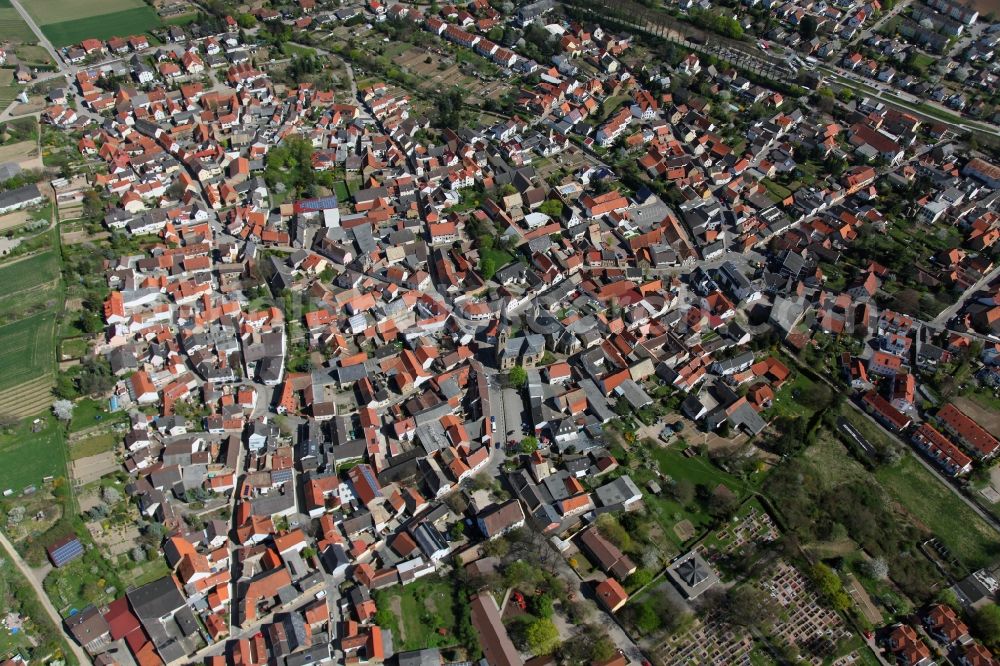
[{"x": 63, "y": 409}]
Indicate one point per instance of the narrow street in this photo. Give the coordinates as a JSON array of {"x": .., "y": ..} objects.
[{"x": 945, "y": 316}]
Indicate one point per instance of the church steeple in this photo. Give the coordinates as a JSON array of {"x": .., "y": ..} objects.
[{"x": 503, "y": 329}]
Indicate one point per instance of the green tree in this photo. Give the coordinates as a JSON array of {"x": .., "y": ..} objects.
[
  {"x": 986, "y": 623},
  {"x": 541, "y": 605},
  {"x": 541, "y": 636},
  {"x": 640, "y": 578},
  {"x": 518, "y": 376},
  {"x": 611, "y": 529},
  {"x": 807, "y": 26},
  {"x": 830, "y": 586},
  {"x": 551, "y": 207},
  {"x": 528, "y": 445},
  {"x": 646, "y": 619},
  {"x": 487, "y": 267}
]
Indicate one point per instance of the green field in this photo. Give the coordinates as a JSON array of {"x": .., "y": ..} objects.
[
  {"x": 90, "y": 412},
  {"x": 181, "y": 19},
  {"x": 698, "y": 471},
  {"x": 8, "y": 94},
  {"x": 58, "y": 11},
  {"x": 92, "y": 446},
  {"x": 919, "y": 493},
  {"x": 33, "y": 54},
  {"x": 27, "y": 287},
  {"x": 12, "y": 26},
  {"x": 27, "y": 350},
  {"x": 103, "y": 26},
  {"x": 934, "y": 506},
  {"x": 28, "y": 273},
  {"x": 500, "y": 257},
  {"x": 422, "y": 607},
  {"x": 27, "y": 457}
]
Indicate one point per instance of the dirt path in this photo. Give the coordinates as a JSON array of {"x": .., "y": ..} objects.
[
  {"x": 46, "y": 604},
  {"x": 397, "y": 610}
]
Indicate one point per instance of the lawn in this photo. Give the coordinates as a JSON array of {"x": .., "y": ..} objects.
[
  {"x": 696, "y": 469},
  {"x": 32, "y": 54},
  {"x": 500, "y": 257},
  {"x": 27, "y": 457},
  {"x": 28, "y": 349},
  {"x": 699, "y": 471},
  {"x": 609, "y": 106},
  {"x": 986, "y": 400},
  {"x": 89, "y": 412},
  {"x": 778, "y": 192},
  {"x": 296, "y": 50},
  {"x": 146, "y": 572},
  {"x": 73, "y": 347},
  {"x": 423, "y": 607},
  {"x": 785, "y": 401},
  {"x": 123, "y": 23},
  {"x": 181, "y": 19},
  {"x": 58, "y": 11},
  {"x": 936, "y": 507},
  {"x": 92, "y": 446},
  {"x": 12, "y": 26}
]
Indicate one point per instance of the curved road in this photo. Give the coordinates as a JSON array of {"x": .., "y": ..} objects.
[{"x": 46, "y": 604}]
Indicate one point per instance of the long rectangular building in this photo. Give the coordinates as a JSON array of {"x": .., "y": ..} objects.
[
  {"x": 941, "y": 450},
  {"x": 967, "y": 432}
]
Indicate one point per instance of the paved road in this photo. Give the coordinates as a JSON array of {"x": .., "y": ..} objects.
[
  {"x": 864, "y": 87},
  {"x": 945, "y": 316},
  {"x": 44, "y": 598}
]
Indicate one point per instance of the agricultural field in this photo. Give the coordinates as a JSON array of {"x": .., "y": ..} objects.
[
  {"x": 12, "y": 26},
  {"x": 27, "y": 457},
  {"x": 72, "y": 21},
  {"x": 19, "y": 151},
  {"x": 28, "y": 273},
  {"x": 27, "y": 287},
  {"x": 129, "y": 22},
  {"x": 8, "y": 89},
  {"x": 27, "y": 350},
  {"x": 56, "y": 11}
]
